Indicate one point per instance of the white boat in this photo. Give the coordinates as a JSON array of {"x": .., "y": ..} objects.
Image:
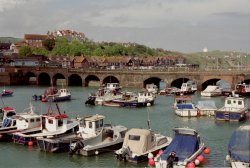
[
  {"x": 184, "y": 107},
  {"x": 185, "y": 150},
  {"x": 6, "y": 112},
  {"x": 53, "y": 124},
  {"x": 238, "y": 148},
  {"x": 55, "y": 95},
  {"x": 242, "y": 89},
  {"x": 26, "y": 120},
  {"x": 152, "y": 88},
  {"x": 235, "y": 109},
  {"x": 105, "y": 94},
  {"x": 187, "y": 88},
  {"x": 206, "y": 107},
  {"x": 142, "y": 99},
  {"x": 211, "y": 91},
  {"x": 97, "y": 137},
  {"x": 139, "y": 144}
]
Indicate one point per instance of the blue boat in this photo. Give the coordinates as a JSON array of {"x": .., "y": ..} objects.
[
  {"x": 234, "y": 109},
  {"x": 186, "y": 148},
  {"x": 239, "y": 148}
]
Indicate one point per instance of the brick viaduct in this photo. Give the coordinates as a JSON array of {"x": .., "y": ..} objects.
[{"x": 127, "y": 78}]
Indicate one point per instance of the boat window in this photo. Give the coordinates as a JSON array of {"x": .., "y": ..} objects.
[
  {"x": 9, "y": 114},
  {"x": 239, "y": 102},
  {"x": 97, "y": 124},
  {"x": 82, "y": 123},
  {"x": 134, "y": 137},
  {"x": 101, "y": 123},
  {"x": 1, "y": 115},
  {"x": 90, "y": 124},
  {"x": 38, "y": 120},
  {"x": 14, "y": 122},
  {"x": 228, "y": 101},
  {"x": 50, "y": 121},
  {"x": 32, "y": 120},
  {"x": 123, "y": 134},
  {"x": 60, "y": 123}
]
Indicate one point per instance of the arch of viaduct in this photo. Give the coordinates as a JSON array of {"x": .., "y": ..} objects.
[{"x": 137, "y": 79}]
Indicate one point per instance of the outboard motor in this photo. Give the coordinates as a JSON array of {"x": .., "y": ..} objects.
[
  {"x": 91, "y": 100},
  {"x": 123, "y": 154},
  {"x": 74, "y": 147}
]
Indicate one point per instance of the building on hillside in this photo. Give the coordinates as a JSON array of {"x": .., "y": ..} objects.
[
  {"x": 66, "y": 61},
  {"x": 68, "y": 34},
  {"x": 35, "y": 40}
]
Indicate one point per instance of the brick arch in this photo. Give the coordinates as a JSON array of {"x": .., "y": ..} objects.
[
  {"x": 110, "y": 79},
  {"x": 44, "y": 79},
  {"x": 75, "y": 80},
  {"x": 90, "y": 78}
]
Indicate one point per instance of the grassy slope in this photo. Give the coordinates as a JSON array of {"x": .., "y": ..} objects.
[{"x": 9, "y": 39}]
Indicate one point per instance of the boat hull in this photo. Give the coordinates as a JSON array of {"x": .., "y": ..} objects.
[{"x": 230, "y": 116}]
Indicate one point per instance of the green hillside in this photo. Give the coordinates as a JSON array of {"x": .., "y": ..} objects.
[
  {"x": 9, "y": 39},
  {"x": 218, "y": 59}
]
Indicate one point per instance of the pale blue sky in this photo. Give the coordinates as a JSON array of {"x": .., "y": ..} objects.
[{"x": 176, "y": 25}]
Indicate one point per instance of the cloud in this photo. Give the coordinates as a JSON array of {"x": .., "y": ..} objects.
[{"x": 172, "y": 24}]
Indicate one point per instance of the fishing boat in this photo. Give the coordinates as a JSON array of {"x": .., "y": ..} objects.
[
  {"x": 6, "y": 92},
  {"x": 234, "y": 109},
  {"x": 206, "y": 107},
  {"x": 142, "y": 99},
  {"x": 184, "y": 107},
  {"x": 238, "y": 148},
  {"x": 211, "y": 91},
  {"x": 104, "y": 94},
  {"x": 52, "y": 124},
  {"x": 140, "y": 143},
  {"x": 97, "y": 137},
  {"x": 187, "y": 88},
  {"x": 185, "y": 150},
  {"x": 6, "y": 112},
  {"x": 19, "y": 122},
  {"x": 242, "y": 89}
]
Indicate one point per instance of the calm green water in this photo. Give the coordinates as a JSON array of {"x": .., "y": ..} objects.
[{"x": 215, "y": 134}]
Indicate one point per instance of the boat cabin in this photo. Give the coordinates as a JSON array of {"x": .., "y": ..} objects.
[
  {"x": 139, "y": 141},
  {"x": 145, "y": 96},
  {"x": 183, "y": 102},
  {"x": 53, "y": 122},
  {"x": 63, "y": 92},
  {"x": 242, "y": 88},
  {"x": 113, "y": 86},
  {"x": 26, "y": 121},
  {"x": 152, "y": 88},
  {"x": 7, "y": 112},
  {"x": 91, "y": 125},
  {"x": 234, "y": 102}
]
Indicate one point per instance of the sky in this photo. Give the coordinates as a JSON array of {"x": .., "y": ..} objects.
[{"x": 175, "y": 25}]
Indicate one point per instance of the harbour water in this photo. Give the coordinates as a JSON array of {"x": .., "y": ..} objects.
[{"x": 162, "y": 119}]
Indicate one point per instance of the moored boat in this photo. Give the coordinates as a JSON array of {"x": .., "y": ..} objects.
[
  {"x": 184, "y": 107},
  {"x": 6, "y": 92},
  {"x": 206, "y": 107},
  {"x": 211, "y": 91},
  {"x": 185, "y": 150},
  {"x": 234, "y": 109},
  {"x": 242, "y": 89},
  {"x": 52, "y": 124},
  {"x": 187, "y": 88},
  {"x": 97, "y": 137},
  {"x": 238, "y": 148},
  {"x": 139, "y": 144}
]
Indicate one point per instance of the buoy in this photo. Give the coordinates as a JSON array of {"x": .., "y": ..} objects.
[
  {"x": 150, "y": 155},
  {"x": 96, "y": 152},
  {"x": 207, "y": 150},
  {"x": 30, "y": 143},
  {"x": 197, "y": 162},
  {"x": 200, "y": 158},
  {"x": 148, "y": 104},
  {"x": 151, "y": 162},
  {"x": 191, "y": 165}
]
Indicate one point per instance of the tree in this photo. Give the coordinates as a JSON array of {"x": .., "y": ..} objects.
[
  {"x": 25, "y": 51},
  {"x": 49, "y": 44}
]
